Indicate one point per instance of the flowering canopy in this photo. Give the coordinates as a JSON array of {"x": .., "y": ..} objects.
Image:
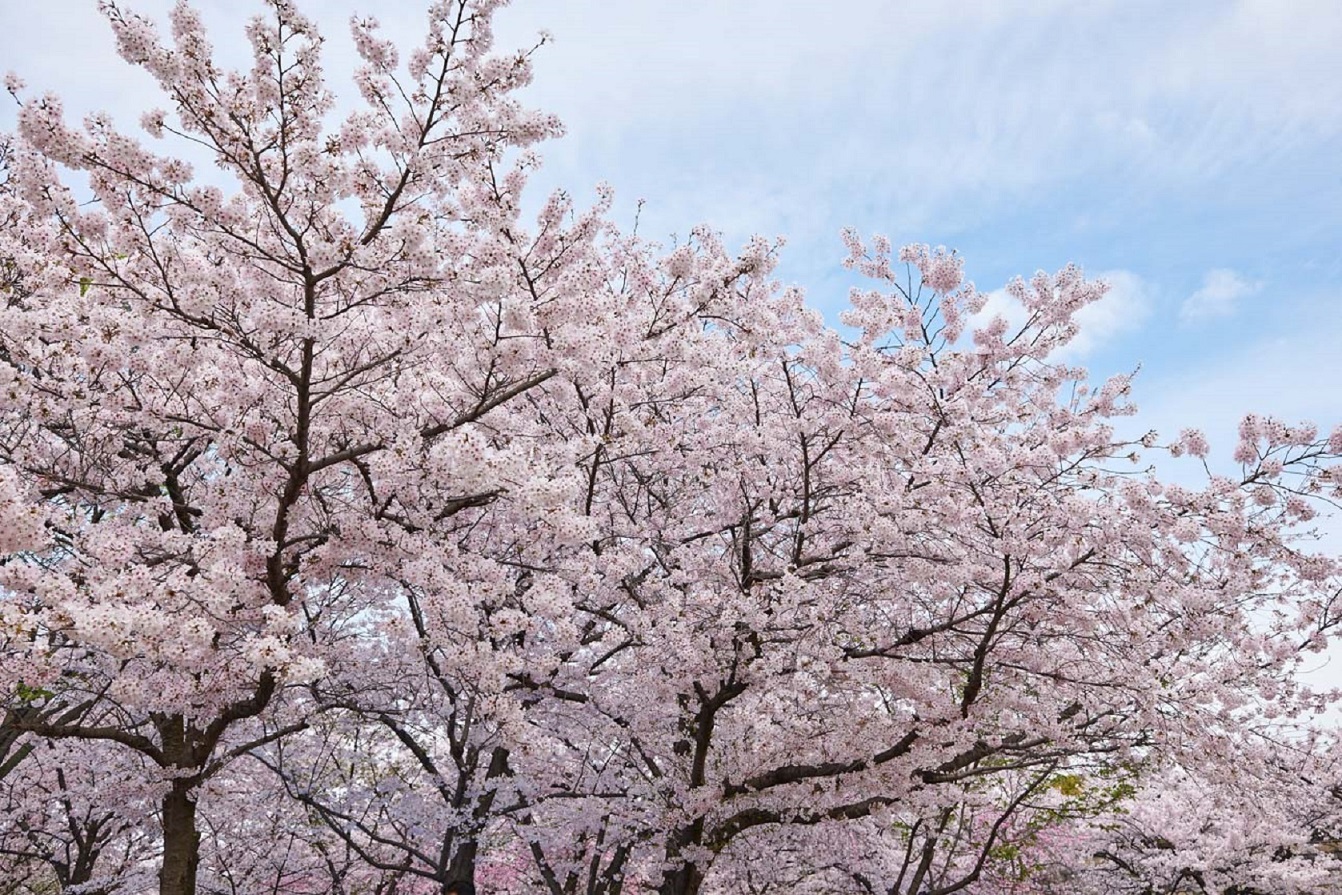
[{"x": 345, "y": 510}]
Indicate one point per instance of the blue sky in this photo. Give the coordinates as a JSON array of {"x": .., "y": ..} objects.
[{"x": 1188, "y": 151}]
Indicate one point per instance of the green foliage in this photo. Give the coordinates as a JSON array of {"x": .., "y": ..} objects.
[
  {"x": 1068, "y": 784},
  {"x": 29, "y": 695}
]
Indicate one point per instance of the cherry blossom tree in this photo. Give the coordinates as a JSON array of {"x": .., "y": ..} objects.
[
  {"x": 907, "y": 578},
  {"x": 1268, "y": 822},
  {"x": 222, "y": 403},
  {"x": 76, "y": 820},
  {"x": 386, "y": 541}
]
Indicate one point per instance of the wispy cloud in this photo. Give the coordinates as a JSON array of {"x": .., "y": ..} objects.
[
  {"x": 895, "y": 116},
  {"x": 1219, "y": 296}
]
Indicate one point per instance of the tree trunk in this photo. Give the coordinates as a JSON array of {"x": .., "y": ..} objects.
[
  {"x": 685, "y": 877},
  {"x": 462, "y": 868},
  {"x": 684, "y": 880},
  {"x": 181, "y": 842},
  {"x": 86, "y": 857}
]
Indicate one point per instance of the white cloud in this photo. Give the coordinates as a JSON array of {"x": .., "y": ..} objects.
[
  {"x": 1000, "y": 304},
  {"x": 1123, "y": 310},
  {"x": 1219, "y": 296}
]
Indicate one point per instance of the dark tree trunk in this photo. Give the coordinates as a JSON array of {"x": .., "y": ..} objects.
[
  {"x": 685, "y": 877},
  {"x": 86, "y": 858},
  {"x": 684, "y": 880},
  {"x": 181, "y": 842},
  {"x": 462, "y": 868}
]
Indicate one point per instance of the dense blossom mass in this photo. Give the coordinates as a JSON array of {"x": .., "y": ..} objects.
[{"x": 360, "y": 534}]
